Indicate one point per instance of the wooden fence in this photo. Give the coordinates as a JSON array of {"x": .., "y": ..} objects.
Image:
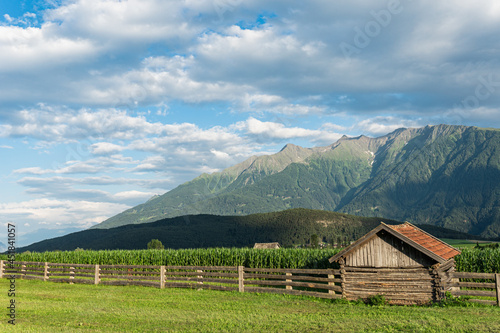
[
  {"x": 484, "y": 285},
  {"x": 324, "y": 283}
]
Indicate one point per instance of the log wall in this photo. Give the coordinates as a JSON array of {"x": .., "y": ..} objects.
[{"x": 399, "y": 286}]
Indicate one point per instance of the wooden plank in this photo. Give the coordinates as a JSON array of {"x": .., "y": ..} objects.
[
  {"x": 295, "y": 277},
  {"x": 29, "y": 277},
  {"x": 46, "y": 271},
  {"x": 467, "y": 275},
  {"x": 33, "y": 273},
  {"x": 97, "y": 277},
  {"x": 195, "y": 279},
  {"x": 197, "y": 286},
  {"x": 497, "y": 289},
  {"x": 449, "y": 264},
  {"x": 35, "y": 263},
  {"x": 131, "y": 283},
  {"x": 294, "y": 270},
  {"x": 293, "y": 284},
  {"x": 69, "y": 269},
  {"x": 393, "y": 284},
  {"x": 53, "y": 265},
  {"x": 410, "y": 269},
  {"x": 471, "y": 285},
  {"x": 204, "y": 268},
  {"x": 241, "y": 279},
  {"x": 34, "y": 269},
  {"x": 483, "y": 301},
  {"x": 200, "y": 273},
  {"x": 130, "y": 266},
  {"x": 473, "y": 293},
  {"x": 50, "y": 274},
  {"x": 122, "y": 277},
  {"x": 68, "y": 280},
  {"x": 288, "y": 281},
  {"x": 332, "y": 284},
  {"x": 162, "y": 277},
  {"x": 386, "y": 289},
  {"x": 125, "y": 273}
]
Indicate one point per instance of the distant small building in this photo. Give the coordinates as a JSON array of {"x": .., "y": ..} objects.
[
  {"x": 275, "y": 245},
  {"x": 401, "y": 262}
]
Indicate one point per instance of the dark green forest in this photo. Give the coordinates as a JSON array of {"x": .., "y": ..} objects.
[{"x": 290, "y": 228}]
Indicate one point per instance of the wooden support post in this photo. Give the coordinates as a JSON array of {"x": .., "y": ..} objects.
[
  {"x": 331, "y": 283},
  {"x": 97, "y": 275},
  {"x": 23, "y": 271},
  {"x": 71, "y": 274},
  {"x": 46, "y": 271},
  {"x": 436, "y": 279},
  {"x": 162, "y": 277},
  {"x": 497, "y": 287},
  {"x": 1, "y": 268},
  {"x": 200, "y": 276},
  {"x": 289, "y": 280},
  {"x": 342, "y": 276},
  {"x": 241, "y": 284}
]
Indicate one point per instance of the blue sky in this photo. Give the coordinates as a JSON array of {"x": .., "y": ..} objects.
[{"x": 104, "y": 104}]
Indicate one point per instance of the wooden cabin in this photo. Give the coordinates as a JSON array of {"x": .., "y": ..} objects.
[
  {"x": 401, "y": 262},
  {"x": 274, "y": 245}
]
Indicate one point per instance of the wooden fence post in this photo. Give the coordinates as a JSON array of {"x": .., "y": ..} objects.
[
  {"x": 46, "y": 271},
  {"x": 199, "y": 276},
  {"x": 162, "y": 277},
  {"x": 241, "y": 284},
  {"x": 289, "y": 280},
  {"x": 342, "y": 276},
  {"x": 331, "y": 283},
  {"x": 497, "y": 287},
  {"x": 1, "y": 269},
  {"x": 23, "y": 271},
  {"x": 71, "y": 274},
  {"x": 97, "y": 275}
]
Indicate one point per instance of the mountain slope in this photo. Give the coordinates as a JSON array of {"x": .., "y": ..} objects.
[
  {"x": 290, "y": 227},
  {"x": 442, "y": 175}
]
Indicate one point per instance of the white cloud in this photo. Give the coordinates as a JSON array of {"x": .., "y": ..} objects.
[
  {"x": 105, "y": 148},
  {"x": 53, "y": 213},
  {"x": 275, "y": 130},
  {"x": 383, "y": 125},
  {"x": 33, "y": 49}
]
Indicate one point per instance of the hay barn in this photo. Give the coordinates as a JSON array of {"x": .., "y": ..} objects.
[
  {"x": 267, "y": 245},
  {"x": 401, "y": 262}
]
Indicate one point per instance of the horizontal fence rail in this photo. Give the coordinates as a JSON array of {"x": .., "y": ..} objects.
[{"x": 323, "y": 283}]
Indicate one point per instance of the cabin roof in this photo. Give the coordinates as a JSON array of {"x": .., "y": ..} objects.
[
  {"x": 410, "y": 234},
  {"x": 274, "y": 245}
]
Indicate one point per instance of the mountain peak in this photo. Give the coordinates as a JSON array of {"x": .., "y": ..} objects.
[{"x": 289, "y": 146}]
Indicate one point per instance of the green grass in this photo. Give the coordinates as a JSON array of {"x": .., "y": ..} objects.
[
  {"x": 56, "y": 307},
  {"x": 463, "y": 243}
]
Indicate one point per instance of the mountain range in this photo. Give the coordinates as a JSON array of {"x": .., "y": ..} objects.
[
  {"x": 292, "y": 227},
  {"x": 443, "y": 175}
]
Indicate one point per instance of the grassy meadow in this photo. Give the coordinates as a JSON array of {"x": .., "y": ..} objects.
[
  {"x": 57, "y": 307},
  {"x": 465, "y": 243}
]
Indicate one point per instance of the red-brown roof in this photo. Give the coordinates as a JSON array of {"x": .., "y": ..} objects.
[
  {"x": 407, "y": 232},
  {"x": 425, "y": 240}
]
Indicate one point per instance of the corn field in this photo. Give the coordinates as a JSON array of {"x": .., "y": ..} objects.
[
  {"x": 478, "y": 260},
  {"x": 470, "y": 260},
  {"x": 252, "y": 258}
]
